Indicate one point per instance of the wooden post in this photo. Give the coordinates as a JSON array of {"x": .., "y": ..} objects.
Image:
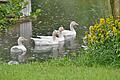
[{"x": 26, "y": 29}]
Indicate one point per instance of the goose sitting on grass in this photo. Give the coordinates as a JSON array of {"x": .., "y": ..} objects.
[
  {"x": 18, "y": 52},
  {"x": 71, "y": 32},
  {"x": 43, "y": 41}
]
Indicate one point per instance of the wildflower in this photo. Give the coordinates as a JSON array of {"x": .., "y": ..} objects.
[
  {"x": 114, "y": 29},
  {"x": 90, "y": 28},
  {"x": 102, "y": 21},
  {"x": 108, "y": 20}
]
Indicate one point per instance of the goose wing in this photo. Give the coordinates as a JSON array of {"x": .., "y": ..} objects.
[
  {"x": 16, "y": 49},
  {"x": 67, "y": 32},
  {"x": 38, "y": 41}
]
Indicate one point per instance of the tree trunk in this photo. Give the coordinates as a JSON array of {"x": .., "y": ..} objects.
[{"x": 115, "y": 7}]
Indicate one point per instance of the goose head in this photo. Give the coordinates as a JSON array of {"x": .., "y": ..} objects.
[
  {"x": 61, "y": 29},
  {"x": 21, "y": 39},
  {"x": 73, "y": 23},
  {"x": 60, "y": 34}
]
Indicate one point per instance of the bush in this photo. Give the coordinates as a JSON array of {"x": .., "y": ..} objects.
[
  {"x": 10, "y": 13},
  {"x": 103, "y": 40}
]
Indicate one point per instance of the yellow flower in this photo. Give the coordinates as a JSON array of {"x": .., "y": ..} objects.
[
  {"x": 102, "y": 21},
  {"x": 90, "y": 28},
  {"x": 114, "y": 29},
  {"x": 96, "y": 26},
  {"x": 108, "y": 20}
]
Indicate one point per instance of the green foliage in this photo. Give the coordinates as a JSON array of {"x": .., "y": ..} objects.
[
  {"x": 103, "y": 40},
  {"x": 61, "y": 12},
  {"x": 35, "y": 14},
  {"x": 102, "y": 31},
  {"x": 10, "y": 13}
]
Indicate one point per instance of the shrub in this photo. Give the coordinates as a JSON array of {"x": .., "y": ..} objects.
[
  {"x": 10, "y": 13},
  {"x": 103, "y": 40}
]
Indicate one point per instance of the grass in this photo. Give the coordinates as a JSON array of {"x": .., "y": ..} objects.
[{"x": 46, "y": 71}]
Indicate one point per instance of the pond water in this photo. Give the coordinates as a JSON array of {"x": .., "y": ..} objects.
[
  {"x": 34, "y": 53},
  {"x": 54, "y": 14}
]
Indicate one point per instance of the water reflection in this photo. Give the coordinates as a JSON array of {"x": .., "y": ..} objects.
[
  {"x": 71, "y": 43},
  {"x": 53, "y": 51}
]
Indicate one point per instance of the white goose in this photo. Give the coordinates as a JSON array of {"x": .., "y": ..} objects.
[
  {"x": 71, "y": 32},
  {"x": 53, "y": 41},
  {"x": 59, "y": 33},
  {"x": 18, "y": 52}
]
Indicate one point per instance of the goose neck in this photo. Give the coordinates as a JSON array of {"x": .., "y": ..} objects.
[
  {"x": 61, "y": 35},
  {"x": 72, "y": 27},
  {"x": 19, "y": 42}
]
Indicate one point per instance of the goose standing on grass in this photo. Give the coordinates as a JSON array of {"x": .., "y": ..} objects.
[
  {"x": 41, "y": 42},
  {"x": 70, "y": 33},
  {"x": 18, "y": 52}
]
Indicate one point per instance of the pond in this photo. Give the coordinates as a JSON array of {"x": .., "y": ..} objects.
[
  {"x": 54, "y": 14},
  {"x": 34, "y": 53}
]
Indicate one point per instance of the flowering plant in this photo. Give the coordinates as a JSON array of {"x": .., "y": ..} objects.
[
  {"x": 103, "y": 30},
  {"x": 103, "y": 42}
]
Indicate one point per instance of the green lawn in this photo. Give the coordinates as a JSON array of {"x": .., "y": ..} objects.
[{"x": 44, "y": 71}]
